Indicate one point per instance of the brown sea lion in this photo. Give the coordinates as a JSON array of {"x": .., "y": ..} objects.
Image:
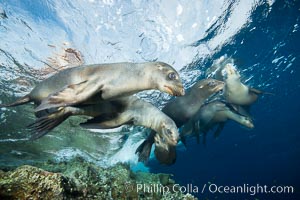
[
  {"x": 107, "y": 81},
  {"x": 212, "y": 114},
  {"x": 235, "y": 91},
  {"x": 209, "y": 115},
  {"x": 111, "y": 114},
  {"x": 181, "y": 109}
]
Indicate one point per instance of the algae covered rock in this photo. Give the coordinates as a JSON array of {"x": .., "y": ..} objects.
[
  {"x": 78, "y": 179},
  {"x": 30, "y": 182}
]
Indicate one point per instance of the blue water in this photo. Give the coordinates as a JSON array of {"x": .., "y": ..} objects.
[
  {"x": 268, "y": 154},
  {"x": 264, "y": 41}
]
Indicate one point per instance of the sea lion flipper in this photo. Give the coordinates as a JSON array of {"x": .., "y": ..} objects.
[
  {"x": 219, "y": 129},
  {"x": 144, "y": 149},
  {"x": 256, "y": 91},
  {"x": 45, "y": 124},
  {"x": 196, "y": 130},
  {"x": 22, "y": 100},
  {"x": 70, "y": 95}
]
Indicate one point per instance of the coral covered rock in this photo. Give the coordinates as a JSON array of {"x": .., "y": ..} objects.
[
  {"x": 30, "y": 182},
  {"x": 78, "y": 179}
]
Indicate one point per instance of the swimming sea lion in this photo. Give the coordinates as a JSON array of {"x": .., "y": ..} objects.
[
  {"x": 235, "y": 91},
  {"x": 181, "y": 109},
  {"x": 208, "y": 116},
  {"x": 138, "y": 112},
  {"x": 111, "y": 114},
  {"x": 211, "y": 114},
  {"x": 78, "y": 84}
]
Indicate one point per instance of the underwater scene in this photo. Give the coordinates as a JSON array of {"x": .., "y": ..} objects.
[{"x": 137, "y": 99}]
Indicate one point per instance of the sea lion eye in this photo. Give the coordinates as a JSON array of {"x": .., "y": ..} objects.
[
  {"x": 211, "y": 83},
  {"x": 172, "y": 76},
  {"x": 169, "y": 132}
]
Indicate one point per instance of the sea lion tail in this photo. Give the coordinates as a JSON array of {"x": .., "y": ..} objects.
[
  {"x": 45, "y": 124},
  {"x": 256, "y": 91},
  {"x": 144, "y": 150},
  {"x": 22, "y": 100}
]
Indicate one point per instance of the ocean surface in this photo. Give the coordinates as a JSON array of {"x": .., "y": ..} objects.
[{"x": 38, "y": 38}]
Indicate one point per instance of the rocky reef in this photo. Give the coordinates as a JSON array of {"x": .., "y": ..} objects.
[{"x": 78, "y": 179}]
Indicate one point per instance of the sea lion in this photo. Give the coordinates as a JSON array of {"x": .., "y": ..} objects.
[
  {"x": 212, "y": 114},
  {"x": 235, "y": 91},
  {"x": 181, "y": 109},
  {"x": 138, "y": 112},
  {"x": 111, "y": 114},
  {"x": 209, "y": 115},
  {"x": 107, "y": 81}
]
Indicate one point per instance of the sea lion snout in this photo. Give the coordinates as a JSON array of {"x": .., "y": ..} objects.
[
  {"x": 216, "y": 85},
  {"x": 161, "y": 143},
  {"x": 174, "y": 90},
  {"x": 230, "y": 71},
  {"x": 174, "y": 86}
]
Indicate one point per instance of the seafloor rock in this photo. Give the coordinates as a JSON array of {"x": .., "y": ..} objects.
[
  {"x": 29, "y": 182},
  {"x": 77, "y": 179}
]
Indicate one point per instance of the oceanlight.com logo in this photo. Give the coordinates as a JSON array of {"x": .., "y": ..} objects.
[
  {"x": 211, "y": 188},
  {"x": 248, "y": 189}
]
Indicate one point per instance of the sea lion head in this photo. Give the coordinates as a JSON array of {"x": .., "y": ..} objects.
[
  {"x": 230, "y": 71},
  {"x": 161, "y": 143},
  {"x": 210, "y": 85},
  {"x": 167, "y": 135},
  {"x": 167, "y": 78}
]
